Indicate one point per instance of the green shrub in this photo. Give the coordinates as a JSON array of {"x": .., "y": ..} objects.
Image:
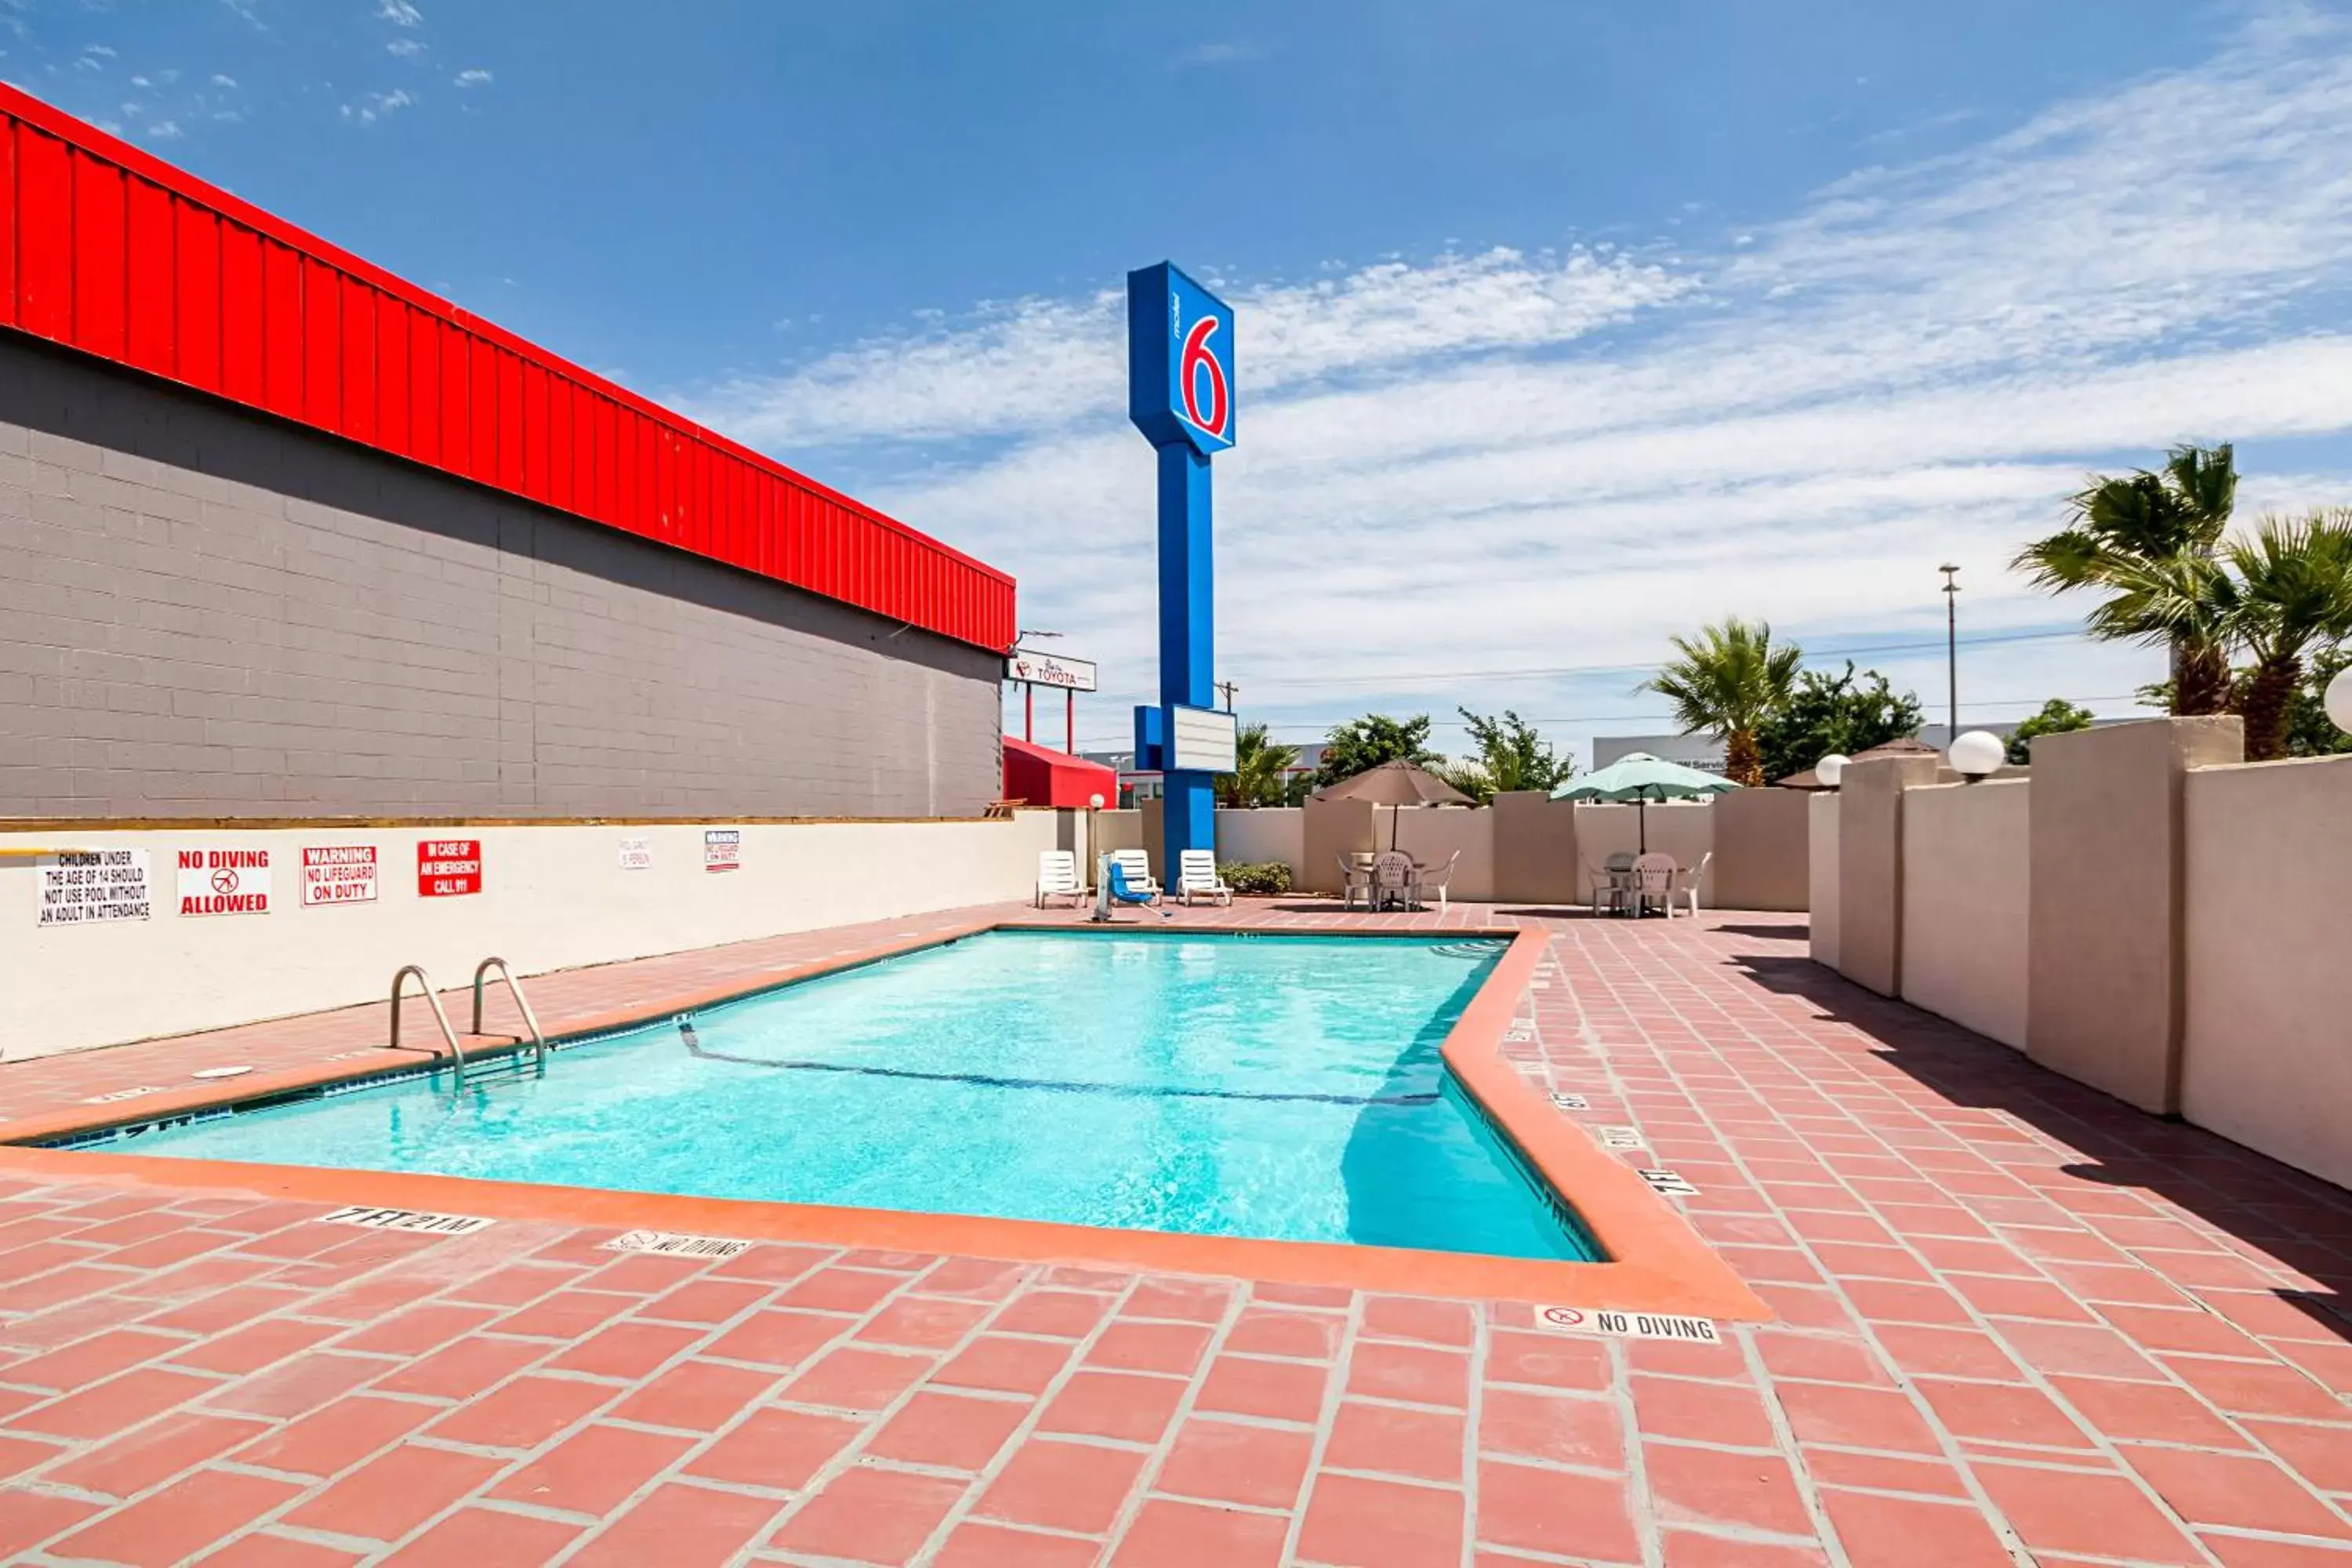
[{"x": 1270, "y": 877}]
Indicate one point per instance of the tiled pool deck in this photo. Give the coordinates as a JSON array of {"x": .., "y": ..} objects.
[{"x": 2017, "y": 1323}]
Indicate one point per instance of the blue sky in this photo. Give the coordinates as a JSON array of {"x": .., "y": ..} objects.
[{"x": 1563, "y": 326}]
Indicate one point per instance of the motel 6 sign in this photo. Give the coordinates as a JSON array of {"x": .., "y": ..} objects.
[{"x": 1181, "y": 347}]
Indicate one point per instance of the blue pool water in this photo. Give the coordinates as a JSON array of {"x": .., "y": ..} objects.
[{"x": 1280, "y": 1086}]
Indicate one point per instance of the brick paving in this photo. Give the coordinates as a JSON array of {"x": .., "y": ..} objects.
[{"x": 2017, "y": 1322}]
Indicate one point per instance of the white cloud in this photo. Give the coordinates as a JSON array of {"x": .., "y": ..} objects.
[
  {"x": 1216, "y": 54},
  {"x": 475, "y": 79},
  {"x": 371, "y": 106},
  {"x": 405, "y": 48},
  {"x": 401, "y": 13},
  {"x": 224, "y": 81},
  {"x": 1494, "y": 461},
  {"x": 165, "y": 130}
]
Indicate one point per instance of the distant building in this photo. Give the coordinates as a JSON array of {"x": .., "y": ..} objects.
[{"x": 1705, "y": 753}]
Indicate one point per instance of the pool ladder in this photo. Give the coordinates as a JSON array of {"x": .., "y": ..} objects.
[{"x": 433, "y": 1000}]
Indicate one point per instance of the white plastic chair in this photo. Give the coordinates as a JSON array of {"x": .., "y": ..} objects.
[
  {"x": 1654, "y": 879},
  {"x": 1196, "y": 878},
  {"x": 1392, "y": 878},
  {"x": 1057, "y": 877},
  {"x": 1687, "y": 881},
  {"x": 1355, "y": 882},
  {"x": 1440, "y": 879},
  {"x": 1135, "y": 866},
  {"x": 1608, "y": 885}
]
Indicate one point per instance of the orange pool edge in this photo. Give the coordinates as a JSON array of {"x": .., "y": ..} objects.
[{"x": 1656, "y": 1262}]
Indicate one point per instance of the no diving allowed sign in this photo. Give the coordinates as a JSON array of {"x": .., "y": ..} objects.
[{"x": 1628, "y": 1325}]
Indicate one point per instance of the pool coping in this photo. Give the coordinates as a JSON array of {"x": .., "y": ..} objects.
[{"x": 1657, "y": 1263}]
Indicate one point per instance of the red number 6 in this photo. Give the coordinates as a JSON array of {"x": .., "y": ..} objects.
[{"x": 1197, "y": 357}]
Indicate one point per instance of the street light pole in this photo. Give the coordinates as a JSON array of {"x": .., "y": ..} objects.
[{"x": 1952, "y": 648}]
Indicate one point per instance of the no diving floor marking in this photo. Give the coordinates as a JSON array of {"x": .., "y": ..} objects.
[{"x": 1627, "y": 1325}]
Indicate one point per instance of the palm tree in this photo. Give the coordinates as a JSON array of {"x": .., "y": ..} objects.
[
  {"x": 1727, "y": 683},
  {"x": 1259, "y": 779},
  {"x": 2288, "y": 589},
  {"x": 2167, "y": 524}
]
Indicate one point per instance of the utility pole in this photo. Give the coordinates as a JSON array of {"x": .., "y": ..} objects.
[
  {"x": 1228, "y": 688},
  {"x": 1952, "y": 650}
]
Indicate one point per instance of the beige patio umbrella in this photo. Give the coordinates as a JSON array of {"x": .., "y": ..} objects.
[{"x": 1396, "y": 783}]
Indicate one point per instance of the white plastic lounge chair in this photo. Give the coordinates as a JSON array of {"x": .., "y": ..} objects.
[
  {"x": 1687, "y": 881},
  {"x": 1355, "y": 882},
  {"x": 1196, "y": 878},
  {"x": 1135, "y": 866},
  {"x": 1437, "y": 879},
  {"x": 1058, "y": 878},
  {"x": 1392, "y": 878},
  {"x": 1654, "y": 882}
]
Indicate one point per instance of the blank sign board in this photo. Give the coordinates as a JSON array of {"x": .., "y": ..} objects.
[{"x": 1200, "y": 740}]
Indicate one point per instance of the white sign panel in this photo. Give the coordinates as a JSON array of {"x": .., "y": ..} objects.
[
  {"x": 1203, "y": 740},
  {"x": 407, "y": 1219},
  {"x": 671, "y": 1244},
  {"x": 224, "y": 881},
  {"x": 88, "y": 887},
  {"x": 1627, "y": 1325},
  {"x": 636, "y": 854},
  {"x": 1049, "y": 670},
  {"x": 339, "y": 874},
  {"x": 722, "y": 849}
]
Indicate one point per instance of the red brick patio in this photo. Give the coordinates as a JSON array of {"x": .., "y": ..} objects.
[{"x": 2018, "y": 1323}]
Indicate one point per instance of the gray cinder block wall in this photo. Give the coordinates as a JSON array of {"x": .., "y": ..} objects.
[{"x": 203, "y": 613}]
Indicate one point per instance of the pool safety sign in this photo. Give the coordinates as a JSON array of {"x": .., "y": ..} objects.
[
  {"x": 339, "y": 874},
  {"x": 722, "y": 849},
  {"x": 91, "y": 886},
  {"x": 671, "y": 1244},
  {"x": 224, "y": 881},
  {"x": 636, "y": 854},
  {"x": 1628, "y": 1325},
  {"x": 449, "y": 868}
]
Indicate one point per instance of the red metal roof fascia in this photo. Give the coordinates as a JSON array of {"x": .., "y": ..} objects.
[{"x": 660, "y": 482}]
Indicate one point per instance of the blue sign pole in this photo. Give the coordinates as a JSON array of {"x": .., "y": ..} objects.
[{"x": 1181, "y": 395}]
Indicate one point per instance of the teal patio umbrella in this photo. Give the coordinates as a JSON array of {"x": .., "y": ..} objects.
[{"x": 1640, "y": 777}]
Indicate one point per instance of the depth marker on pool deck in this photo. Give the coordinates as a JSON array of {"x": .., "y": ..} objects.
[
  {"x": 1669, "y": 1183},
  {"x": 671, "y": 1244},
  {"x": 1628, "y": 1325},
  {"x": 1571, "y": 1101},
  {"x": 123, "y": 1094},
  {"x": 371, "y": 1218},
  {"x": 1623, "y": 1138}
]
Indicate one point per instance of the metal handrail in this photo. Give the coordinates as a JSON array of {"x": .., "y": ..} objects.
[
  {"x": 425, "y": 984},
  {"x": 514, "y": 988}
]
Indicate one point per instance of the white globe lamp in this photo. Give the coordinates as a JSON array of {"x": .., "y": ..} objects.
[
  {"x": 1978, "y": 754},
  {"x": 1094, "y": 802},
  {"x": 2339, "y": 701},
  {"x": 1830, "y": 768}
]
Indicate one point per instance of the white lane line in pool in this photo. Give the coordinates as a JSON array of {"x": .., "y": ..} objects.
[
  {"x": 1627, "y": 1325},
  {"x": 123, "y": 1094},
  {"x": 1623, "y": 1138},
  {"x": 1571, "y": 1101},
  {"x": 407, "y": 1219},
  {"x": 672, "y": 1244},
  {"x": 1669, "y": 1183}
]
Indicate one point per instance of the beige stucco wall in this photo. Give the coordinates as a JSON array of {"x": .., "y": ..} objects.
[
  {"x": 1432, "y": 832},
  {"x": 1535, "y": 849},
  {"x": 1682, "y": 828},
  {"x": 2106, "y": 987},
  {"x": 1967, "y": 854},
  {"x": 1263, "y": 835},
  {"x": 552, "y": 897},
  {"x": 1761, "y": 859},
  {"x": 1333, "y": 828},
  {"x": 1822, "y": 858},
  {"x": 2267, "y": 1043},
  {"x": 1870, "y": 868}
]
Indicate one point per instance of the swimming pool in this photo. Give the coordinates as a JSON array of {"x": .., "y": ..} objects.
[{"x": 1280, "y": 1086}]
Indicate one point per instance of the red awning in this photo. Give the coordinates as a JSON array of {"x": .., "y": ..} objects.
[{"x": 1040, "y": 777}]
